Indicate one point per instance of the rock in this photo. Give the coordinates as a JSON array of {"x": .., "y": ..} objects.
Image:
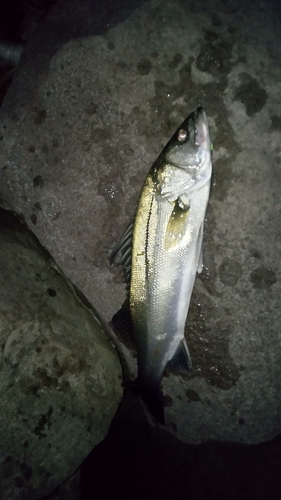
[
  {"x": 60, "y": 375},
  {"x": 81, "y": 125}
]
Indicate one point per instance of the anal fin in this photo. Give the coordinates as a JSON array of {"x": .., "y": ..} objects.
[{"x": 181, "y": 361}]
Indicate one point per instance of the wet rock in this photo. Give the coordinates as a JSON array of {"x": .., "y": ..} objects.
[{"x": 59, "y": 374}]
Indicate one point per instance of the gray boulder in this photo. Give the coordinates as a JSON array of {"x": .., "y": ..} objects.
[
  {"x": 81, "y": 125},
  {"x": 59, "y": 374}
]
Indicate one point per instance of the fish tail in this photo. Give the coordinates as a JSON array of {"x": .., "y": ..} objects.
[{"x": 152, "y": 397}]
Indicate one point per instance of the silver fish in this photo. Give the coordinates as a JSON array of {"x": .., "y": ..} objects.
[{"x": 161, "y": 251}]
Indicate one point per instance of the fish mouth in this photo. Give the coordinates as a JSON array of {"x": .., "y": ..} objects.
[{"x": 202, "y": 136}]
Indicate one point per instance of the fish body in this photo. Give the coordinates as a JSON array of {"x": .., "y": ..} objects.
[{"x": 166, "y": 253}]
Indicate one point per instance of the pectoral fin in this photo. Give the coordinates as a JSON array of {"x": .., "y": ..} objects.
[
  {"x": 200, "y": 248},
  {"x": 177, "y": 222}
]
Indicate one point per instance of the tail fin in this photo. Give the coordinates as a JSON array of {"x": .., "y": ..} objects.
[{"x": 152, "y": 397}]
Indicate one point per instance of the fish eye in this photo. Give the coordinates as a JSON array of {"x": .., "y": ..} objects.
[{"x": 182, "y": 135}]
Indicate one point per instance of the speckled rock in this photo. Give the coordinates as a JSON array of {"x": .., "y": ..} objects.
[
  {"x": 81, "y": 125},
  {"x": 59, "y": 374}
]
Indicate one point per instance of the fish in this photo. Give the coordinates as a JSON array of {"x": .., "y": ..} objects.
[{"x": 161, "y": 252}]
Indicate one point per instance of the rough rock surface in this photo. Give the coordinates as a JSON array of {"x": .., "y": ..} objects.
[
  {"x": 80, "y": 127},
  {"x": 69, "y": 490},
  {"x": 59, "y": 374}
]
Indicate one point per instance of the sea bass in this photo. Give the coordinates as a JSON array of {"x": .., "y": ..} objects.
[{"x": 161, "y": 251}]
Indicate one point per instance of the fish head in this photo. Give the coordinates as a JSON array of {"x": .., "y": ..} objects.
[{"x": 190, "y": 147}]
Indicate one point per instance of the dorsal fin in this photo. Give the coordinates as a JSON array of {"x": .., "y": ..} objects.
[{"x": 122, "y": 253}]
